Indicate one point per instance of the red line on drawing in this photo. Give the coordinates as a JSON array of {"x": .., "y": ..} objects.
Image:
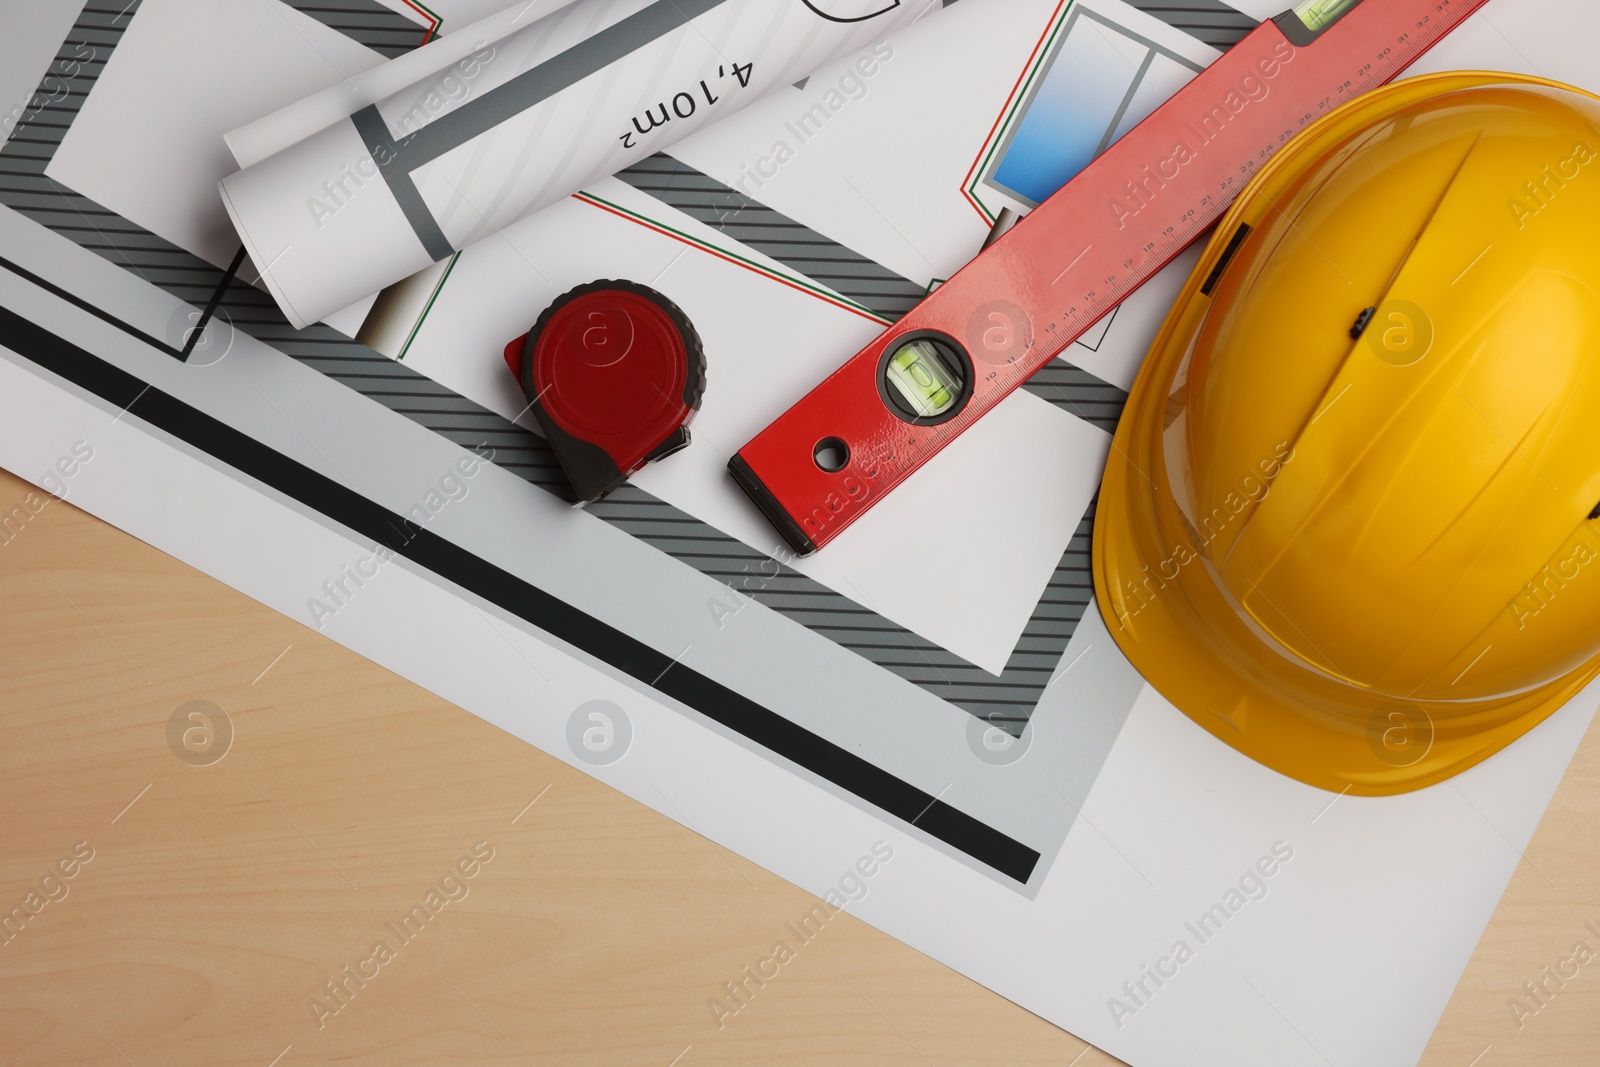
[
  {"x": 434, "y": 21},
  {"x": 730, "y": 259}
]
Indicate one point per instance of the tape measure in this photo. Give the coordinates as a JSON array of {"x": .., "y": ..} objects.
[
  {"x": 614, "y": 372},
  {"x": 823, "y": 463}
]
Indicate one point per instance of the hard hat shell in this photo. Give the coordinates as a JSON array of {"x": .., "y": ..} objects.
[{"x": 1348, "y": 519}]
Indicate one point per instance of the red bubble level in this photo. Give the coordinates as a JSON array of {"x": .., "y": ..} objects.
[{"x": 868, "y": 426}]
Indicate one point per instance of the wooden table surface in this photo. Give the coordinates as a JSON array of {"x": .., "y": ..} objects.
[{"x": 215, "y": 889}]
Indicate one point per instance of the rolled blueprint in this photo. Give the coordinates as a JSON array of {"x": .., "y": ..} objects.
[
  {"x": 274, "y": 132},
  {"x": 515, "y": 126}
]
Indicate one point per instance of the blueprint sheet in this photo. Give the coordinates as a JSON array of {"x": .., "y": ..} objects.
[{"x": 938, "y": 681}]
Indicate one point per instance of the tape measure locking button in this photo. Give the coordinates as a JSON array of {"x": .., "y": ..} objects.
[{"x": 614, "y": 372}]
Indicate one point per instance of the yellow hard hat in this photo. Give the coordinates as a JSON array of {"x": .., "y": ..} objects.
[{"x": 1348, "y": 524}]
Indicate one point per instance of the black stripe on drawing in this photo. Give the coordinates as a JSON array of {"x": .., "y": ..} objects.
[
  {"x": 1074, "y": 389},
  {"x": 775, "y": 235},
  {"x": 1214, "y": 22},
  {"x": 368, "y": 22},
  {"x": 99, "y": 313},
  {"x": 373, "y": 522},
  {"x": 841, "y": 269},
  {"x": 199, "y": 328},
  {"x": 850, "y": 274}
]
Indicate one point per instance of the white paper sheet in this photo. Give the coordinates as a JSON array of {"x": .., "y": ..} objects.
[
  {"x": 148, "y": 143},
  {"x": 886, "y": 165},
  {"x": 925, "y": 558},
  {"x": 1371, "y": 919}
]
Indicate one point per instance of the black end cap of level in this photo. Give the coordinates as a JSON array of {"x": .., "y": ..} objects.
[{"x": 763, "y": 499}]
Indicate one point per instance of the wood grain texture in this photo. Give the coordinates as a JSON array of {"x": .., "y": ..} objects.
[{"x": 222, "y": 896}]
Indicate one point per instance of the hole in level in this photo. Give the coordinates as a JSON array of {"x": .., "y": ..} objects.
[{"x": 831, "y": 454}]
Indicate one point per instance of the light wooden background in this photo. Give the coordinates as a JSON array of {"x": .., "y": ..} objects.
[{"x": 220, "y": 898}]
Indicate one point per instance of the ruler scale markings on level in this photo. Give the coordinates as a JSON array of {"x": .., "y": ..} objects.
[{"x": 1022, "y": 301}]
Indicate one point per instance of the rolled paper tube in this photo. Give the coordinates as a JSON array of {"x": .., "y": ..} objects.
[
  {"x": 518, "y": 124},
  {"x": 256, "y": 140}
]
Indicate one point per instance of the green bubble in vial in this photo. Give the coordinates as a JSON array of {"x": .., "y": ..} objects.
[
  {"x": 921, "y": 376},
  {"x": 1318, "y": 15}
]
